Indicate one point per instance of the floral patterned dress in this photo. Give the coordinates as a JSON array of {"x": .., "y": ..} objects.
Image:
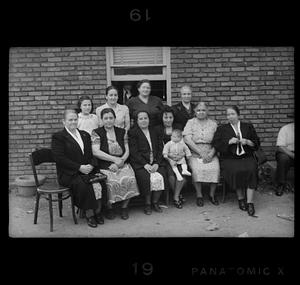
[
  {"x": 202, "y": 133},
  {"x": 121, "y": 185}
]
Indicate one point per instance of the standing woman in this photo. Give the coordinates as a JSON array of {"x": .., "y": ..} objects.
[
  {"x": 75, "y": 163},
  {"x": 198, "y": 134},
  {"x": 122, "y": 112},
  {"x": 110, "y": 147},
  {"x": 144, "y": 101},
  {"x": 147, "y": 161},
  {"x": 164, "y": 131},
  {"x": 236, "y": 142},
  {"x": 86, "y": 120},
  {"x": 184, "y": 110}
]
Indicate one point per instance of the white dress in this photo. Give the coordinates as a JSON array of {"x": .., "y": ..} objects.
[
  {"x": 202, "y": 133},
  {"x": 87, "y": 123}
]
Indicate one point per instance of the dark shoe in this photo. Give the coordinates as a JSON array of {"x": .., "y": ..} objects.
[
  {"x": 110, "y": 214},
  {"x": 279, "y": 190},
  {"x": 242, "y": 204},
  {"x": 91, "y": 222},
  {"x": 124, "y": 213},
  {"x": 99, "y": 219},
  {"x": 200, "y": 202},
  {"x": 157, "y": 208},
  {"x": 148, "y": 210},
  {"x": 181, "y": 198},
  {"x": 287, "y": 188},
  {"x": 177, "y": 204},
  {"x": 250, "y": 209},
  {"x": 213, "y": 200}
]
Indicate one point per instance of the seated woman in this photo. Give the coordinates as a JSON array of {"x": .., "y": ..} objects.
[
  {"x": 198, "y": 134},
  {"x": 75, "y": 164},
  {"x": 236, "y": 142},
  {"x": 146, "y": 159},
  {"x": 110, "y": 147},
  {"x": 164, "y": 130}
]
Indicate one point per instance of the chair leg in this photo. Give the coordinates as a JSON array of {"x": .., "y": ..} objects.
[
  {"x": 59, "y": 196},
  {"x": 73, "y": 209},
  {"x": 51, "y": 212},
  {"x": 37, "y": 201}
]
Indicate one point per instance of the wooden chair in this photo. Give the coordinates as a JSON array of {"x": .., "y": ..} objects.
[{"x": 47, "y": 189}]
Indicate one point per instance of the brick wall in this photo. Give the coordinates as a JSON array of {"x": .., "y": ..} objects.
[
  {"x": 260, "y": 80},
  {"x": 42, "y": 81}
]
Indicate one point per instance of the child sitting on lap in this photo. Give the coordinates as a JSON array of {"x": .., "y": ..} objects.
[{"x": 175, "y": 151}]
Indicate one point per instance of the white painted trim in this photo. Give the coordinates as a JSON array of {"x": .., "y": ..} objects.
[
  {"x": 165, "y": 76},
  {"x": 108, "y": 51},
  {"x": 167, "y": 58},
  {"x": 136, "y": 77},
  {"x": 136, "y": 65}
]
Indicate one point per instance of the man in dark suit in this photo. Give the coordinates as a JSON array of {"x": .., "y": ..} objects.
[{"x": 75, "y": 163}]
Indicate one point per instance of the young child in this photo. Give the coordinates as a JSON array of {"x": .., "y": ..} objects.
[
  {"x": 175, "y": 151},
  {"x": 86, "y": 120}
]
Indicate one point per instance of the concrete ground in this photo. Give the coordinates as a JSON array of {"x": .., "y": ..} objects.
[{"x": 191, "y": 221}]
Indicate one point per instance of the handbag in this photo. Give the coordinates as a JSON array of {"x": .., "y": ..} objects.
[
  {"x": 260, "y": 156},
  {"x": 97, "y": 177}
]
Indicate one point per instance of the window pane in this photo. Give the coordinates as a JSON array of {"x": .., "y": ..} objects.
[
  {"x": 138, "y": 70},
  {"x": 137, "y": 55}
]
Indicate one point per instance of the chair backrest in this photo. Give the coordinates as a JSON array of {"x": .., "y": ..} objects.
[{"x": 37, "y": 157}]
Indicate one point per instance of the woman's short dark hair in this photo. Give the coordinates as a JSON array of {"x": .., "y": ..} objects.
[
  {"x": 143, "y": 81},
  {"x": 111, "y": 87},
  {"x": 81, "y": 99},
  {"x": 167, "y": 109},
  {"x": 235, "y": 108},
  {"x": 106, "y": 111},
  {"x": 140, "y": 111}
]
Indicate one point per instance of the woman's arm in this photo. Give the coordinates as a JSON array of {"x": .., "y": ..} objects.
[
  {"x": 253, "y": 141},
  {"x": 135, "y": 154},
  {"x": 126, "y": 153},
  {"x": 96, "y": 149},
  {"x": 189, "y": 141},
  {"x": 127, "y": 119},
  {"x": 220, "y": 140},
  {"x": 57, "y": 146}
]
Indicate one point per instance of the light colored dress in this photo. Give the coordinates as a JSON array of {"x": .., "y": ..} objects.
[
  {"x": 122, "y": 115},
  {"x": 87, "y": 123},
  {"x": 121, "y": 185},
  {"x": 202, "y": 133}
]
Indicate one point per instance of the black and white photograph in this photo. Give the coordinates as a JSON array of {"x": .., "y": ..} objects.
[{"x": 151, "y": 141}]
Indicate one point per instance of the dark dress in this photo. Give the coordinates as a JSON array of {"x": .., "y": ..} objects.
[
  {"x": 69, "y": 157},
  {"x": 154, "y": 107},
  {"x": 139, "y": 149},
  {"x": 239, "y": 172},
  {"x": 182, "y": 115}
]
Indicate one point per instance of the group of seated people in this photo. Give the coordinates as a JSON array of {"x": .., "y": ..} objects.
[{"x": 145, "y": 148}]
